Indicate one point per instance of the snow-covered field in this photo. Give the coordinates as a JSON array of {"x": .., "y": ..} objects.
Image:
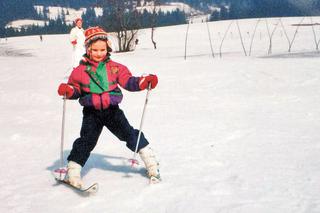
[
  {"x": 169, "y": 7},
  {"x": 234, "y": 134}
]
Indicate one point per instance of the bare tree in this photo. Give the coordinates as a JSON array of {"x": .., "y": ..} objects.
[
  {"x": 254, "y": 32},
  {"x": 271, "y": 34},
  {"x": 285, "y": 32},
  {"x": 123, "y": 18},
  {"x": 294, "y": 35},
  {"x": 156, "y": 3},
  {"x": 316, "y": 41},
  {"x": 209, "y": 35},
  {"x": 241, "y": 39},
  {"x": 186, "y": 41},
  {"x": 314, "y": 34},
  {"x": 224, "y": 36}
]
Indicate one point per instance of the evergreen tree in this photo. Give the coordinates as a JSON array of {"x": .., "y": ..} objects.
[
  {"x": 224, "y": 13},
  {"x": 13, "y": 10},
  {"x": 215, "y": 16},
  {"x": 89, "y": 18}
]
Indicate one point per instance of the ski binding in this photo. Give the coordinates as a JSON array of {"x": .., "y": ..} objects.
[
  {"x": 154, "y": 180},
  {"x": 60, "y": 176}
]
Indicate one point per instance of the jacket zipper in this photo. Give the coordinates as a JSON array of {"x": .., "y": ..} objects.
[{"x": 101, "y": 104}]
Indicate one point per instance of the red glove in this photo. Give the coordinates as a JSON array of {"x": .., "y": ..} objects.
[
  {"x": 74, "y": 42},
  {"x": 146, "y": 80},
  {"x": 65, "y": 90}
]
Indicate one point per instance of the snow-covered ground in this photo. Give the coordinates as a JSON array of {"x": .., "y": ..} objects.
[
  {"x": 18, "y": 24},
  {"x": 234, "y": 134},
  {"x": 167, "y": 8}
]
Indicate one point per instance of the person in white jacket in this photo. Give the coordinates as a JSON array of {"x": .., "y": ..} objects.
[{"x": 77, "y": 39}]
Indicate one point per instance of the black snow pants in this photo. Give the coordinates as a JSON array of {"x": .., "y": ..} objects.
[{"x": 92, "y": 124}]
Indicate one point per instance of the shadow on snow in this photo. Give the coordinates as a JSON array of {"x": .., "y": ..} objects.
[{"x": 104, "y": 162}]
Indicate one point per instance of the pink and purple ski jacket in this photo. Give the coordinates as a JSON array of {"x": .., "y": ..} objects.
[{"x": 96, "y": 84}]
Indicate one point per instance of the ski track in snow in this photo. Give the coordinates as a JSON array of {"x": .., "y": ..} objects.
[{"x": 234, "y": 134}]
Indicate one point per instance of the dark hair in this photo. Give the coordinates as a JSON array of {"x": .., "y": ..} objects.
[{"x": 101, "y": 38}]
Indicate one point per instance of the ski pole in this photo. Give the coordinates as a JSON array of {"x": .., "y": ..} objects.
[
  {"x": 62, "y": 130},
  {"x": 61, "y": 170},
  {"x": 134, "y": 159}
]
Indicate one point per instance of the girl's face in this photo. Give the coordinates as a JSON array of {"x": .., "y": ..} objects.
[
  {"x": 79, "y": 24},
  {"x": 98, "y": 50}
]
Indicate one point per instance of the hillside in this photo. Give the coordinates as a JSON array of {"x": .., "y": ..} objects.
[{"x": 16, "y": 15}]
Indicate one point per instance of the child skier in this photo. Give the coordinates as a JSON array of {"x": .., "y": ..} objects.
[{"x": 95, "y": 83}]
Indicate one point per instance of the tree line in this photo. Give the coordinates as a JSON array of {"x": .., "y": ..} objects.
[
  {"x": 237, "y": 9},
  {"x": 108, "y": 20},
  {"x": 228, "y": 9}
]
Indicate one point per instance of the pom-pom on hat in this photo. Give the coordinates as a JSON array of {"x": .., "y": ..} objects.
[{"x": 96, "y": 33}]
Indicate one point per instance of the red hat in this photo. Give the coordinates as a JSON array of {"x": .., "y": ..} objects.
[
  {"x": 95, "y": 33},
  {"x": 77, "y": 19}
]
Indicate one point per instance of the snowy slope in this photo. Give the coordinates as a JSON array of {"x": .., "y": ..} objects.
[
  {"x": 234, "y": 134},
  {"x": 169, "y": 7}
]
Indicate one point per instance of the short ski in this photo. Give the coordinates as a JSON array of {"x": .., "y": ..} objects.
[
  {"x": 154, "y": 180},
  {"x": 60, "y": 176},
  {"x": 91, "y": 189}
]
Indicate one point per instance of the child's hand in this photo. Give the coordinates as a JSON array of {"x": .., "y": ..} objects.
[
  {"x": 65, "y": 90},
  {"x": 146, "y": 80}
]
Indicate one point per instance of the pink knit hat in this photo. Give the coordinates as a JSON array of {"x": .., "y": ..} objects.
[
  {"x": 95, "y": 33},
  {"x": 77, "y": 19}
]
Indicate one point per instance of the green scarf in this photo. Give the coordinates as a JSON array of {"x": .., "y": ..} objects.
[{"x": 99, "y": 79}]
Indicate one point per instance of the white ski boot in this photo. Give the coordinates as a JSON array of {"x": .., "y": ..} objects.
[
  {"x": 73, "y": 174},
  {"x": 152, "y": 165}
]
